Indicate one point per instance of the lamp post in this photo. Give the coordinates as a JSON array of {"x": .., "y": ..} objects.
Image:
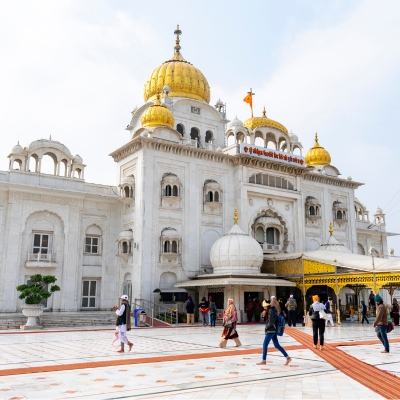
[
  {"x": 304, "y": 290},
  {"x": 338, "y": 321},
  {"x": 372, "y": 251}
]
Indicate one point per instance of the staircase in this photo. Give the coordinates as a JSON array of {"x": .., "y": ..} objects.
[{"x": 60, "y": 319}]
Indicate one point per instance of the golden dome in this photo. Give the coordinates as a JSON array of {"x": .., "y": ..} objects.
[
  {"x": 183, "y": 78},
  {"x": 255, "y": 122},
  {"x": 157, "y": 115},
  {"x": 317, "y": 155}
]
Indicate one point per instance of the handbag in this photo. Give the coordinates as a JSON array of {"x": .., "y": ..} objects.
[
  {"x": 227, "y": 324},
  {"x": 323, "y": 315},
  {"x": 390, "y": 327}
]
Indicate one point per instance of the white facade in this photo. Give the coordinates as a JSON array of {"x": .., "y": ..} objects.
[{"x": 176, "y": 193}]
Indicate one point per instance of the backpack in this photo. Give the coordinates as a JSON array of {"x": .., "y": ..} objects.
[
  {"x": 214, "y": 308},
  {"x": 280, "y": 325}
]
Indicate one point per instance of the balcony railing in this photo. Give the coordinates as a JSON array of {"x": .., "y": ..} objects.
[
  {"x": 270, "y": 248},
  {"x": 42, "y": 257}
]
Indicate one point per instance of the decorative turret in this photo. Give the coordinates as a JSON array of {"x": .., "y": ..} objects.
[{"x": 317, "y": 155}]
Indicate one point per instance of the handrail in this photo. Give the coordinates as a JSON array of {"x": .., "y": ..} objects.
[{"x": 167, "y": 315}]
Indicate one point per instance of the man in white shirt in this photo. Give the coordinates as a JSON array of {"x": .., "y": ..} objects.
[{"x": 124, "y": 322}]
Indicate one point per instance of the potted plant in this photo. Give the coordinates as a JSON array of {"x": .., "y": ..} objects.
[{"x": 34, "y": 293}]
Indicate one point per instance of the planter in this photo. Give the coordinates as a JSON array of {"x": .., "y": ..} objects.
[{"x": 32, "y": 311}]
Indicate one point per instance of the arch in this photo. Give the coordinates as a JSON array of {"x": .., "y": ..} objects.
[
  {"x": 209, "y": 137},
  {"x": 311, "y": 210},
  {"x": 167, "y": 280},
  {"x": 63, "y": 170},
  {"x": 48, "y": 164},
  {"x": 361, "y": 249},
  {"x": 297, "y": 150},
  {"x": 124, "y": 247},
  {"x": 126, "y": 191},
  {"x": 33, "y": 165},
  {"x": 174, "y": 246},
  {"x": 94, "y": 230},
  {"x": 210, "y": 196},
  {"x": 181, "y": 129},
  {"x": 216, "y": 197},
  {"x": 339, "y": 215},
  {"x": 240, "y": 137},
  {"x": 175, "y": 191},
  {"x": 127, "y": 277},
  {"x": 168, "y": 190},
  {"x": 230, "y": 139},
  {"x": 259, "y": 139},
  {"x": 271, "y": 138},
  {"x": 166, "y": 246},
  {"x": 19, "y": 164},
  {"x": 260, "y": 234},
  {"x": 194, "y": 133}
]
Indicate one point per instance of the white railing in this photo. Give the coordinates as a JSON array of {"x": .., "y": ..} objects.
[
  {"x": 270, "y": 248},
  {"x": 158, "y": 311},
  {"x": 42, "y": 257},
  {"x": 210, "y": 146}
]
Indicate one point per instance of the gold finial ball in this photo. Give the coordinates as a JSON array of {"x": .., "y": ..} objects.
[
  {"x": 235, "y": 216},
  {"x": 317, "y": 155},
  {"x": 331, "y": 228},
  {"x": 157, "y": 115}
]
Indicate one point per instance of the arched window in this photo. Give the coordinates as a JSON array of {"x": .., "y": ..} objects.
[
  {"x": 168, "y": 191},
  {"x": 339, "y": 215},
  {"x": 174, "y": 247},
  {"x": 180, "y": 129},
  {"x": 126, "y": 191},
  {"x": 316, "y": 210},
  {"x": 230, "y": 140},
  {"x": 124, "y": 247},
  {"x": 175, "y": 191},
  {"x": 260, "y": 235},
  {"x": 216, "y": 197},
  {"x": 209, "y": 137},
  {"x": 166, "y": 247},
  {"x": 92, "y": 239},
  {"x": 194, "y": 134},
  {"x": 312, "y": 210},
  {"x": 344, "y": 214},
  {"x": 272, "y": 235},
  {"x": 210, "y": 196}
]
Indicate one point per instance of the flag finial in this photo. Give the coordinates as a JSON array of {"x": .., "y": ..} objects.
[{"x": 235, "y": 216}]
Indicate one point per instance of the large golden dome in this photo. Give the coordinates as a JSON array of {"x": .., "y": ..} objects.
[
  {"x": 317, "y": 155},
  {"x": 183, "y": 78},
  {"x": 157, "y": 115},
  {"x": 255, "y": 122}
]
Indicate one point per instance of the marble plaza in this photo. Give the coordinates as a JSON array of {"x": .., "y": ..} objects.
[{"x": 185, "y": 363}]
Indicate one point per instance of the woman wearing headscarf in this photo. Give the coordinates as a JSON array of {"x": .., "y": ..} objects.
[
  {"x": 229, "y": 324},
  {"x": 318, "y": 324},
  {"x": 395, "y": 312}
]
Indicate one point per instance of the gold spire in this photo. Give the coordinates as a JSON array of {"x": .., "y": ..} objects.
[
  {"x": 330, "y": 225},
  {"x": 264, "y": 112},
  {"x": 235, "y": 216},
  {"x": 177, "y": 32}
]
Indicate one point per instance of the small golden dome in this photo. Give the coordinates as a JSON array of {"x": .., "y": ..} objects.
[
  {"x": 183, "y": 78},
  {"x": 317, "y": 155},
  {"x": 255, "y": 122},
  {"x": 157, "y": 115}
]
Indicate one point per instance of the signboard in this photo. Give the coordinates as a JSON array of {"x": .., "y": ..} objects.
[{"x": 271, "y": 155}]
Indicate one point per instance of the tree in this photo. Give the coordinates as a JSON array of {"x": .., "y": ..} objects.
[{"x": 37, "y": 289}]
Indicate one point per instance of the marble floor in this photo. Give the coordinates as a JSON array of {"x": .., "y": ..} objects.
[{"x": 189, "y": 373}]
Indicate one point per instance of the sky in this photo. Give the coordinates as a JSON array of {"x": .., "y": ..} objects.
[{"x": 76, "y": 69}]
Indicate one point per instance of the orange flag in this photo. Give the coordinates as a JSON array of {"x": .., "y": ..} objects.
[{"x": 249, "y": 99}]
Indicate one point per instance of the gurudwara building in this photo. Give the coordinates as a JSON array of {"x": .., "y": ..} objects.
[{"x": 166, "y": 230}]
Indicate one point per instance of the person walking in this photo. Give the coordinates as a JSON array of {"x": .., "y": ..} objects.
[
  {"x": 213, "y": 313},
  {"x": 291, "y": 306},
  {"x": 329, "y": 311},
  {"x": 257, "y": 310},
  {"x": 249, "y": 310},
  {"x": 274, "y": 303},
  {"x": 203, "y": 308},
  {"x": 395, "y": 312},
  {"x": 229, "y": 324},
  {"x": 270, "y": 333},
  {"x": 318, "y": 324},
  {"x": 190, "y": 311},
  {"x": 364, "y": 311},
  {"x": 124, "y": 322},
  {"x": 371, "y": 299},
  {"x": 381, "y": 323}
]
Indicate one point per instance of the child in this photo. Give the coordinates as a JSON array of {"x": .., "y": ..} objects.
[
  {"x": 116, "y": 340},
  {"x": 351, "y": 313}
]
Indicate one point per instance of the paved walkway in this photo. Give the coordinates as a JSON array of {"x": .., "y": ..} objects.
[{"x": 186, "y": 363}]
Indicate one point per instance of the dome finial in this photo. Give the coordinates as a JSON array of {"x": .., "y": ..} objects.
[
  {"x": 177, "y": 32},
  {"x": 264, "y": 112},
  {"x": 235, "y": 216},
  {"x": 330, "y": 229}
]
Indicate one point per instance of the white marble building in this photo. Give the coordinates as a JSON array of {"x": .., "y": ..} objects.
[{"x": 184, "y": 168}]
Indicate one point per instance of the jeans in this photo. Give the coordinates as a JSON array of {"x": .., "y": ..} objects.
[
  {"x": 318, "y": 326},
  {"x": 204, "y": 317},
  {"x": 213, "y": 317},
  {"x": 382, "y": 336},
  {"x": 274, "y": 338},
  {"x": 292, "y": 317}
]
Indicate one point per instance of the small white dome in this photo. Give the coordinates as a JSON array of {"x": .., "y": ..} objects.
[
  {"x": 77, "y": 159},
  {"x": 17, "y": 149},
  {"x": 378, "y": 210},
  {"x": 127, "y": 235},
  {"x": 293, "y": 137},
  {"x": 236, "y": 123},
  {"x": 236, "y": 253}
]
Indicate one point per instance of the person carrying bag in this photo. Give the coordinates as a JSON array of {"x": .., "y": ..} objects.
[{"x": 318, "y": 317}]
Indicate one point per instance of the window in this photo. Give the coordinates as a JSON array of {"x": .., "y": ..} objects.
[
  {"x": 339, "y": 215},
  {"x": 260, "y": 234},
  {"x": 194, "y": 134},
  {"x": 41, "y": 243},
  {"x": 195, "y": 110},
  {"x": 210, "y": 196},
  {"x": 175, "y": 191},
  {"x": 92, "y": 245},
  {"x": 89, "y": 294},
  {"x": 174, "y": 247},
  {"x": 209, "y": 136},
  {"x": 168, "y": 191},
  {"x": 312, "y": 211},
  {"x": 272, "y": 181},
  {"x": 180, "y": 129},
  {"x": 124, "y": 247},
  {"x": 270, "y": 235},
  {"x": 166, "y": 247},
  {"x": 216, "y": 197}
]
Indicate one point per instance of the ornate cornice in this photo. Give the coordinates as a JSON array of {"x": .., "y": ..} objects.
[{"x": 330, "y": 180}]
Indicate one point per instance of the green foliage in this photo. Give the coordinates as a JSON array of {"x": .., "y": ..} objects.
[{"x": 36, "y": 290}]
